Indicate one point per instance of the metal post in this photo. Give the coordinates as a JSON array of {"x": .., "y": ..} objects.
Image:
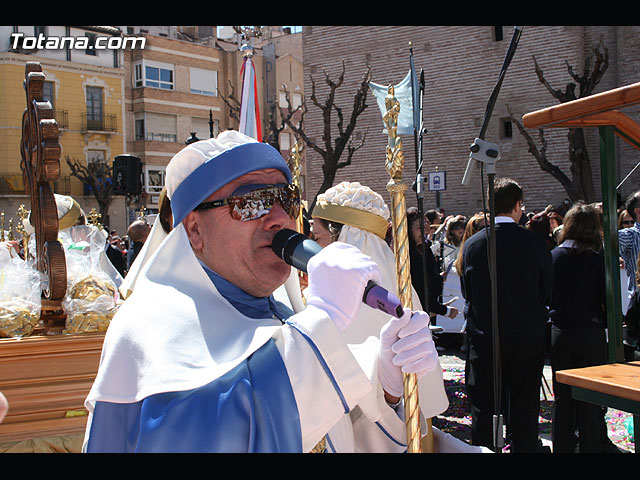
[{"x": 611, "y": 250}]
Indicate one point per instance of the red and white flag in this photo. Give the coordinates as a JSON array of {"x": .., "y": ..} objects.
[{"x": 249, "y": 110}]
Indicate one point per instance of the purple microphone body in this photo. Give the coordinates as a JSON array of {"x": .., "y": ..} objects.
[{"x": 296, "y": 250}]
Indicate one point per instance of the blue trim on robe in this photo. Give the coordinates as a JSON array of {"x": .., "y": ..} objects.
[
  {"x": 384, "y": 430},
  {"x": 251, "y": 409},
  {"x": 326, "y": 368}
]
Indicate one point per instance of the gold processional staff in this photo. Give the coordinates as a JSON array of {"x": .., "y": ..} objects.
[
  {"x": 396, "y": 187},
  {"x": 295, "y": 165}
]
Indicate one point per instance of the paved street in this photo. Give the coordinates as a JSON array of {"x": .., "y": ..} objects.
[{"x": 457, "y": 421}]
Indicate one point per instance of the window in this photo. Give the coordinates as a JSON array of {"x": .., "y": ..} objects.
[
  {"x": 201, "y": 127},
  {"x": 47, "y": 93},
  {"x": 96, "y": 156},
  {"x": 498, "y": 36},
  {"x": 154, "y": 178},
  {"x": 137, "y": 75},
  {"x": 139, "y": 127},
  {"x": 91, "y": 37},
  {"x": 285, "y": 141},
  {"x": 156, "y": 127},
  {"x": 296, "y": 100},
  {"x": 153, "y": 74},
  {"x": 158, "y": 78},
  {"x": 506, "y": 128},
  {"x": 94, "y": 108},
  {"x": 203, "y": 82},
  {"x": 282, "y": 99}
]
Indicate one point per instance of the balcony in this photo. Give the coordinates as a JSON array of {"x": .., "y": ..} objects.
[
  {"x": 96, "y": 123},
  {"x": 62, "y": 118},
  {"x": 158, "y": 137}
]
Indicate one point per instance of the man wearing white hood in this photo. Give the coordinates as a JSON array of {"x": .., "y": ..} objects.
[{"x": 201, "y": 357}]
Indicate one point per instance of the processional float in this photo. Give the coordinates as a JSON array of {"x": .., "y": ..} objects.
[{"x": 46, "y": 375}]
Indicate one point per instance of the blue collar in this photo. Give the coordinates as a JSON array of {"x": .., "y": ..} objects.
[{"x": 245, "y": 303}]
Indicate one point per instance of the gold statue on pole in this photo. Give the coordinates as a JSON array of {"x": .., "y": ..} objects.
[
  {"x": 396, "y": 187},
  {"x": 295, "y": 166}
]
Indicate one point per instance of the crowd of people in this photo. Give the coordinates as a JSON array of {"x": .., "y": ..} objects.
[
  {"x": 221, "y": 346},
  {"x": 551, "y": 301}
]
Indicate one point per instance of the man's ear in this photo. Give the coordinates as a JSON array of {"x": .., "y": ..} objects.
[{"x": 192, "y": 227}]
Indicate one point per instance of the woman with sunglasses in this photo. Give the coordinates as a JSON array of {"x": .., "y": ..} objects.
[
  {"x": 624, "y": 220},
  {"x": 206, "y": 354}
]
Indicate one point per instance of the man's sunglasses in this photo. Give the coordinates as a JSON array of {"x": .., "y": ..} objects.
[{"x": 258, "y": 201}]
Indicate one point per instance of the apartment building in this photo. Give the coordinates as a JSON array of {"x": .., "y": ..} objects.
[
  {"x": 85, "y": 85},
  {"x": 172, "y": 94}
]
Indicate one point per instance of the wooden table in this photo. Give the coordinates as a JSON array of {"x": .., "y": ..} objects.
[{"x": 615, "y": 385}]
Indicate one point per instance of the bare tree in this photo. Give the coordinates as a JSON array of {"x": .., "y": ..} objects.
[
  {"x": 332, "y": 148},
  {"x": 579, "y": 186},
  {"x": 98, "y": 176},
  {"x": 287, "y": 117},
  {"x": 232, "y": 102}
]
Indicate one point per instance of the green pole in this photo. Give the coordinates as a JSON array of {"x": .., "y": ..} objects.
[{"x": 611, "y": 251}]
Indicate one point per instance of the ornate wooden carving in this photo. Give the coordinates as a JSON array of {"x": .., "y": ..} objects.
[{"x": 40, "y": 165}]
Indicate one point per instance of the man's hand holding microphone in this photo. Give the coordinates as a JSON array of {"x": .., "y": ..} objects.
[{"x": 339, "y": 274}]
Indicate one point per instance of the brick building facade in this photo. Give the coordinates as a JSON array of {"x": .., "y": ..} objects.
[{"x": 461, "y": 67}]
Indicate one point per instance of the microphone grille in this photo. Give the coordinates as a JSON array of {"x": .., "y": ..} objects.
[{"x": 285, "y": 241}]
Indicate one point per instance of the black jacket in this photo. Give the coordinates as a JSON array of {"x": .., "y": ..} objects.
[
  {"x": 578, "y": 295},
  {"x": 434, "y": 280},
  {"x": 117, "y": 259},
  {"x": 133, "y": 251},
  {"x": 524, "y": 278}
]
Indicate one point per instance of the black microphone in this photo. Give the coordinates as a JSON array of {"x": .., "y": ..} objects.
[{"x": 296, "y": 250}]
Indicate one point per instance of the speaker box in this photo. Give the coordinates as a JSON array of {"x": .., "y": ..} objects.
[{"x": 127, "y": 175}]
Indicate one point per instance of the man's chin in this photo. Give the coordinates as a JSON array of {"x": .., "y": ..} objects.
[{"x": 268, "y": 279}]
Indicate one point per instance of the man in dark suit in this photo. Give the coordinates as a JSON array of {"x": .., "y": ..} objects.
[
  {"x": 524, "y": 275},
  {"x": 138, "y": 232}
]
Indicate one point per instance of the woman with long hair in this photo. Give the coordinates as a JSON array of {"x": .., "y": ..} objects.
[
  {"x": 434, "y": 279},
  {"x": 577, "y": 314}
]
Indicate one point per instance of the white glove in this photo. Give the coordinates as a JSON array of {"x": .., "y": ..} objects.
[
  {"x": 338, "y": 276},
  {"x": 406, "y": 346}
]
